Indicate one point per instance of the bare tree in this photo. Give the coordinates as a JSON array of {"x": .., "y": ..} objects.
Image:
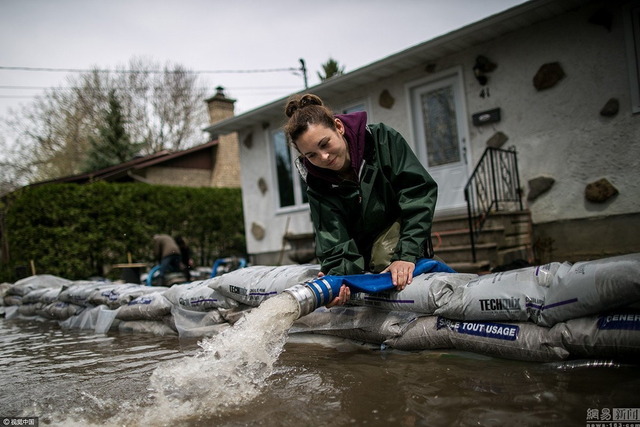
[{"x": 163, "y": 106}]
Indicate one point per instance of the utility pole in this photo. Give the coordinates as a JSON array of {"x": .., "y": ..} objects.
[{"x": 303, "y": 68}]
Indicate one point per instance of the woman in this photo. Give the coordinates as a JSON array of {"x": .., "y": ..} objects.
[{"x": 371, "y": 200}]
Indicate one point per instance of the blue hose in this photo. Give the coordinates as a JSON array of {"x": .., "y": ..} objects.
[{"x": 321, "y": 291}]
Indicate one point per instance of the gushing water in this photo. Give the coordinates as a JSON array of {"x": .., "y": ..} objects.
[{"x": 228, "y": 371}]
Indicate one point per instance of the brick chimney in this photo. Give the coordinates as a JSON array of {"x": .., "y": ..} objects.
[
  {"x": 226, "y": 170},
  {"x": 220, "y": 107}
]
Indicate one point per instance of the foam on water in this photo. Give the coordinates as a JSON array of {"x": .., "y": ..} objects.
[{"x": 228, "y": 371}]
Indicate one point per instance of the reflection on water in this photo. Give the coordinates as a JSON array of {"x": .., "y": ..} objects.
[{"x": 68, "y": 375}]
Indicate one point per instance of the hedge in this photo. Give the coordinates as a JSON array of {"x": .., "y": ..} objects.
[{"x": 79, "y": 231}]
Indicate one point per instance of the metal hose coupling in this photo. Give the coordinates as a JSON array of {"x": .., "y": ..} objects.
[{"x": 314, "y": 294}]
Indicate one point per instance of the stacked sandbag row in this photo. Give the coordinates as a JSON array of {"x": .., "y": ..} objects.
[
  {"x": 615, "y": 335},
  {"x": 544, "y": 295},
  {"x": 544, "y": 313},
  {"x": 194, "y": 309}
]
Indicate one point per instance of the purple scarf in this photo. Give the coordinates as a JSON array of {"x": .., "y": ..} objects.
[{"x": 354, "y": 131}]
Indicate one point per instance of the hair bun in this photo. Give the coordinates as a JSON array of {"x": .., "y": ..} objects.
[{"x": 301, "y": 102}]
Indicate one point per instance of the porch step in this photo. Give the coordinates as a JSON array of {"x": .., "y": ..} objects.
[{"x": 504, "y": 238}]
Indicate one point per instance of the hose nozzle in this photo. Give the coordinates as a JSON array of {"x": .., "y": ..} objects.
[{"x": 311, "y": 295}]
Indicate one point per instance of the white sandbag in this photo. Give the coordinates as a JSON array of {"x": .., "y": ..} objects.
[
  {"x": 198, "y": 296},
  {"x": 152, "y": 327},
  {"x": 120, "y": 294},
  {"x": 519, "y": 341},
  {"x": 85, "y": 320},
  {"x": 4, "y": 287},
  {"x": 79, "y": 291},
  {"x": 252, "y": 285},
  {"x": 367, "y": 324},
  {"x": 615, "y": 335},
  {"x": 60, "y": 310},
  {"x": 424, "y": 295},
  {"x": 43, "y": 295},
  {"x": 515, "y": 295},
  {"x": 153, "y": 306},
  {"x": 592, "y": 287},
  {"x": 195, "y": 324},
  {"x": 10, "y": 300},
  {"x": 233, "y": 315},
  {"x": 29, "y": 309},
  {"x": 422, "y": 334},
  {"x": 40, "y": 281}
]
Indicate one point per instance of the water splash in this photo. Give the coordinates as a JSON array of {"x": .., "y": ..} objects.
[{"x": 229, "y": 370}]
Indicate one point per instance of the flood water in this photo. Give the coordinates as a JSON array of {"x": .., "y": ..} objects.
[{"x": 77, "y": 378}]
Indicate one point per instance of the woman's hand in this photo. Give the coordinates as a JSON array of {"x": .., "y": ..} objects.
[
  {"x": 342, "y": 298},
  {"x": 401, "y": 273}
]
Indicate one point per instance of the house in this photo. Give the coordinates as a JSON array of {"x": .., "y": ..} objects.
[
  {"x": 212, "y": 164},
  {"x": 554, "y": 81}
]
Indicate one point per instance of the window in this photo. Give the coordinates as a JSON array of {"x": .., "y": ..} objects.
[
  {"x": 354, "y": 108},
  {"x": 291, "y": 188},
  {"x": 632, "y": 29}
]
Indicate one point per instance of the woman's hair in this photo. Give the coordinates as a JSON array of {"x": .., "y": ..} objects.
[{"x": 305, "y": 110}]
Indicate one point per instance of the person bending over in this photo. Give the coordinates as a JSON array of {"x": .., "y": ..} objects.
[{"x": 371, "y": 200}]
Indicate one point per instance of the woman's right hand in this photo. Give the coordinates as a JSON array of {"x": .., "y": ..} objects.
[{"x": 342, "y": 298}]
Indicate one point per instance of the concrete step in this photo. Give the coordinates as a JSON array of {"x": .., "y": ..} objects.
[
  {"x": 479, "y": 267},
  {"x": 461, "y": 237},
  {"x": 462, "y": 253}
]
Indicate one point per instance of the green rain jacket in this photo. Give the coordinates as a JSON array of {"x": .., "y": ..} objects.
[{"x": 349, "y": 216}]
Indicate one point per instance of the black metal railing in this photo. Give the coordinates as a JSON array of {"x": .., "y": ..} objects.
[{"x": 493, "y": 186}]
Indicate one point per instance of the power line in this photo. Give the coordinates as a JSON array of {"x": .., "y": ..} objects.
[
  {"x": 96, "y": 70},
  {"x": 206, "y": 87}
]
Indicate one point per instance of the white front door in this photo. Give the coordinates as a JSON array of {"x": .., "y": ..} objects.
[{"x": 440, "y": 131}]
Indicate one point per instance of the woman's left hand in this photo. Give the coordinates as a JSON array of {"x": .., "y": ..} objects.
[{"x": 401, "y": 273}]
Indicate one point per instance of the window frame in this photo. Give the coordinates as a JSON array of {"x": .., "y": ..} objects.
[
  {"x": 631, "y": 13},
  {"x": 298, "y": 198}
]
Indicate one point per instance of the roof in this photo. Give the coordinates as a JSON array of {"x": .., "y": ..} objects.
[
  {"x": 114, "y": 173},
  {"x": 526, "y": 14}
]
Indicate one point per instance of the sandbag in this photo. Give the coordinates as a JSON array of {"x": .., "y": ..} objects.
[
  {"x": 40, "y": 281},
  {"x": 43, "y": 295},
  {"x": 60, "y": 310},
  {"x": 194, "y": 324},
  {"x": 79, "y": 291},
  {"x": 591, "y": 287},
  {"x": 424, "y": 295},
  {"x": 422, "y": 334},
  {"x": 366, "y": 324},
  {"x": 85, "y": 320},
  {"x": 152, "y": 306},
  {"x": 519, "y": 341},
  {"x": 29, "y": 309},
  {"x": 614, "y": 335},
  {"x": 120, "y": 294},
  {"x": 4, "y": 287},
  {"x": 10, "y": 300},
  {"x": 515, "y": 295},
  {"x": 198, "y": 296},
  {"x": 252, "y": 285}
]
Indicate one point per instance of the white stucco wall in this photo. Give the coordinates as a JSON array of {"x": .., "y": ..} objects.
[{"x": 557, "y": 132}]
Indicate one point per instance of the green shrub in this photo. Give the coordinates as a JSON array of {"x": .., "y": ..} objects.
[{"x": 78, "y": 231}]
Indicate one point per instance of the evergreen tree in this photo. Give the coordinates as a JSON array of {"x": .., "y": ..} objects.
[
  {"x": 331, "y": 68},
  {"x": 112, "y": 144}
]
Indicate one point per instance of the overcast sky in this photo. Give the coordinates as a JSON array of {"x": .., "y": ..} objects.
[{"x": 214, "y": 35}]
